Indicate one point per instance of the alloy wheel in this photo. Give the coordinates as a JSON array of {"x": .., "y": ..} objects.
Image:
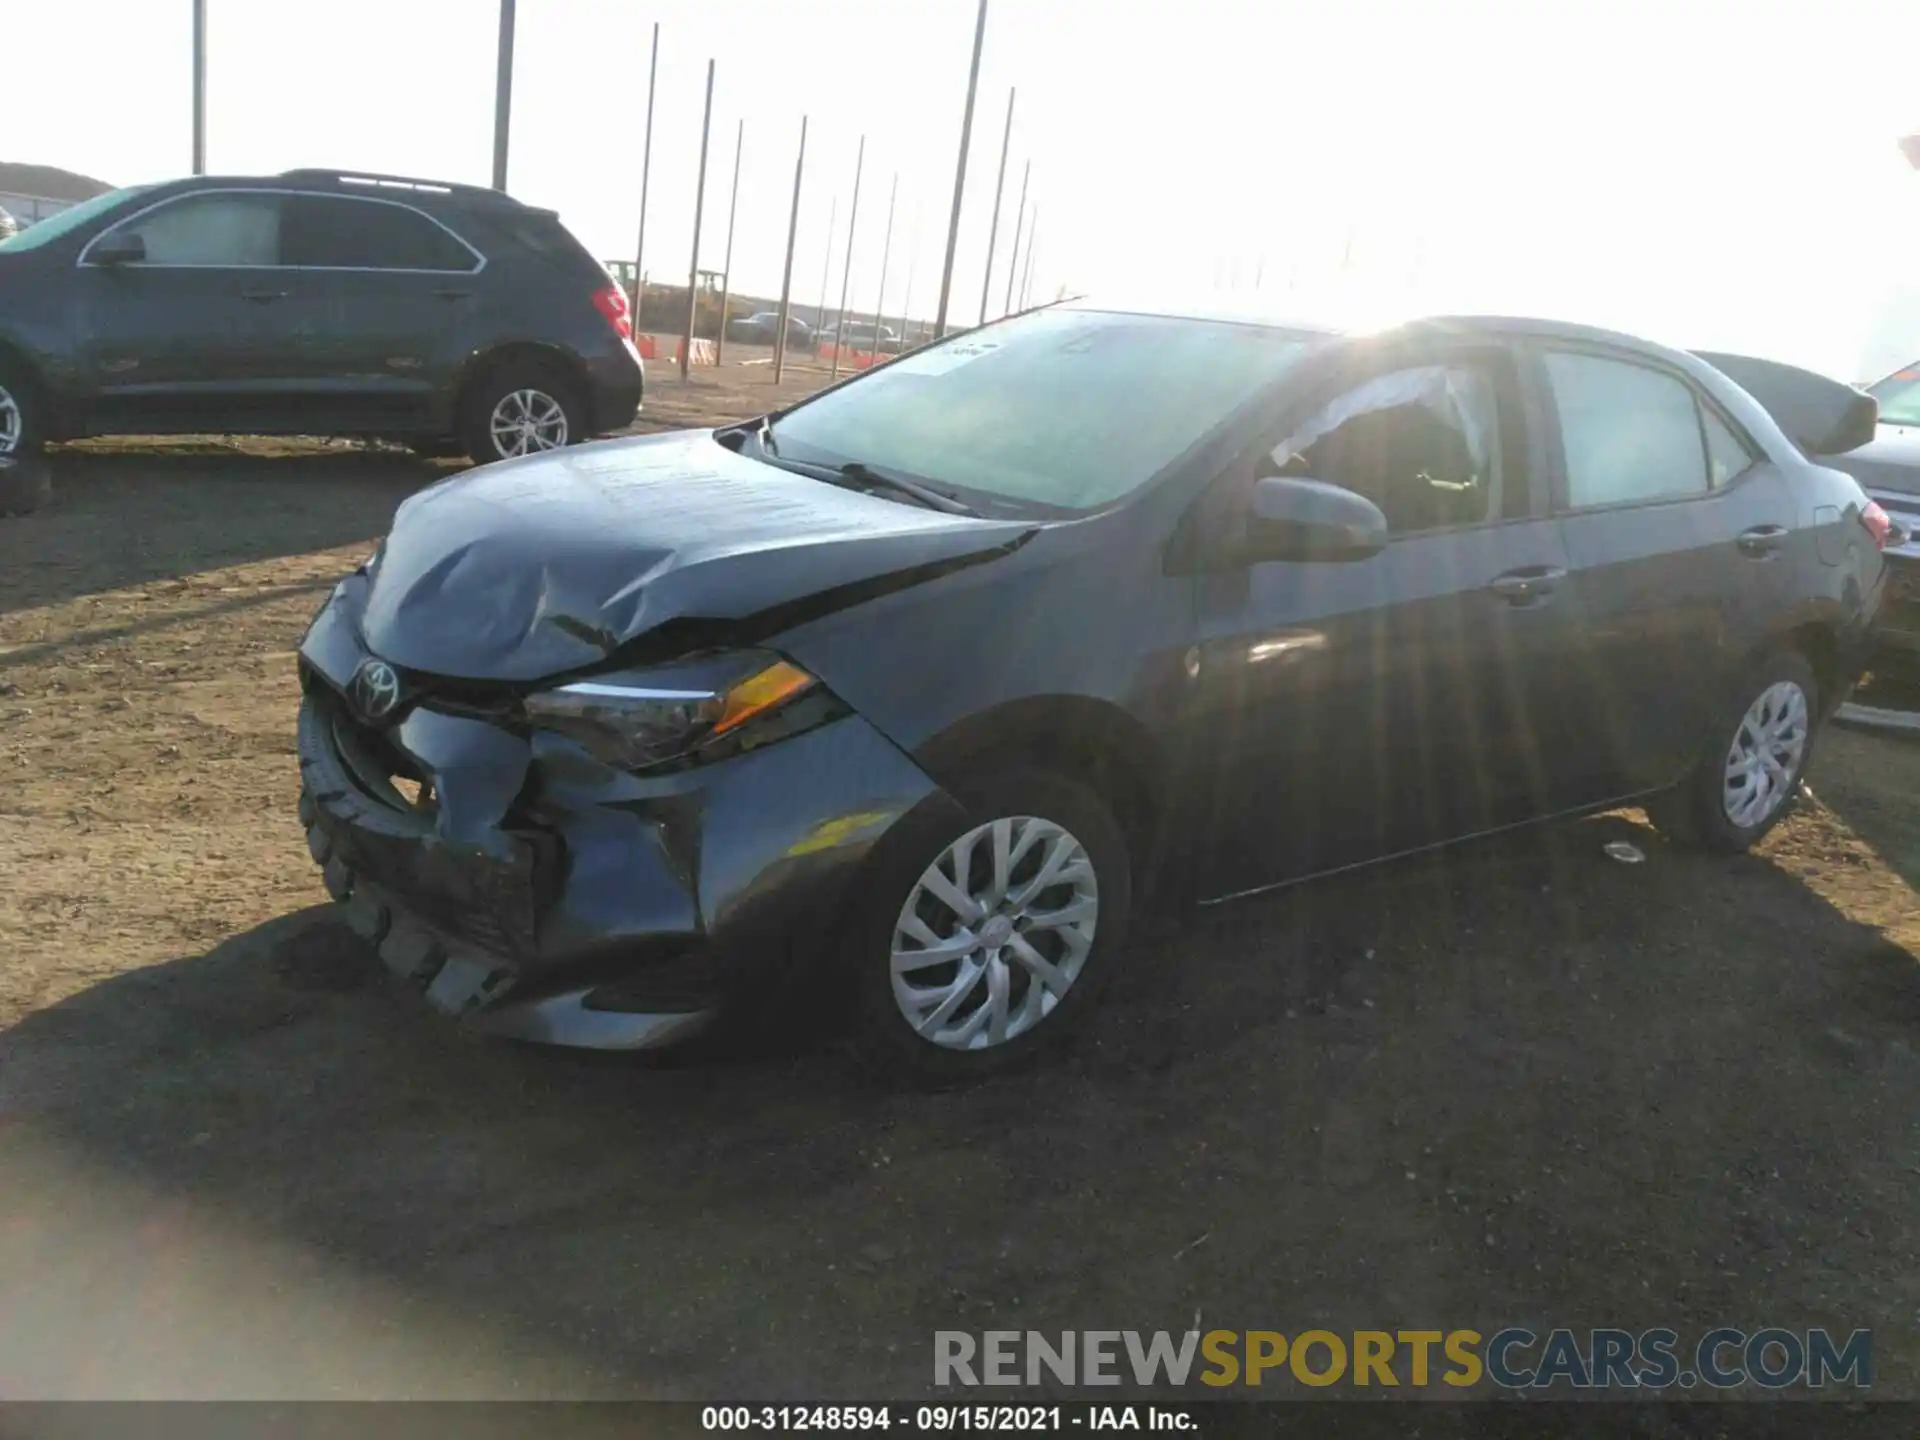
[
  {"x": 1763, "y": 764},
  {"x": 12, "y": 423},
  {"x": 526, "y": 421},
  {"x": 994, "y": 933}
]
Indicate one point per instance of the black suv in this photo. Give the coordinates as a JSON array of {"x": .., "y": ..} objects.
[{"x": 312, "y": 303}]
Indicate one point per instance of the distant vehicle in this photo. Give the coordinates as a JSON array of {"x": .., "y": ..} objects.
[
  {"x": 1889, "y": 469},
  {"x": 314, "y": 302},
  {"x": 761, "y": 328},
  {"x": 859, "y": 335},
  {"x": 900, "y": 700}
]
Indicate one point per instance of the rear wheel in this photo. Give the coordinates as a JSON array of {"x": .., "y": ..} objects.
[
  {"x": 1750, "y": 774},
  {"x": 985, "y": 939},
  {"x": 521, "y": 407}
]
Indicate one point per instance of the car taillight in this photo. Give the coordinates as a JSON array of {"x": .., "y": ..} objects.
[
  {"x": 612, "y": 303},
  {"x": 1878, "y": 523}
]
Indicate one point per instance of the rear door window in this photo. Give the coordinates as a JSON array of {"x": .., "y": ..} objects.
[
  {"x": 1728, "y": 456},
  {"x": 1627, "y": 433},
  {"x": 345, "y": 233}
]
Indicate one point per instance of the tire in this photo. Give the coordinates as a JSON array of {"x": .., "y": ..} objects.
[
  {"x": 547, "y": 393},
  {"x": 1041, "y": 810},
  {"x": 1704, "y": 810},
  {"x": 23, "y": 423}
]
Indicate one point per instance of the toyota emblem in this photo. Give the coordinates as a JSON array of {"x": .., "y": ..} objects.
[{"x": 376, "y": 689}]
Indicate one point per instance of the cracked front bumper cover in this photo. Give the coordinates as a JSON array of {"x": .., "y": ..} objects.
[{"x": 548, "y": 897}]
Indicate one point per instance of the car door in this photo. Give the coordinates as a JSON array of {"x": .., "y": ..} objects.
[
  {"x": 1680, "y": 541},
  {"x": 1357, "y": 709},
  {"x": 176, "y": 338},
  {"x": 379, "y": 299}
]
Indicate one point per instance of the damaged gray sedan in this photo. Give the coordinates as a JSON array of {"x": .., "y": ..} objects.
[{"x": 909, "y": 697}]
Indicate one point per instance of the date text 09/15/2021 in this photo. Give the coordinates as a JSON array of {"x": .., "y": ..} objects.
[{"x": 941, "y": 1419}]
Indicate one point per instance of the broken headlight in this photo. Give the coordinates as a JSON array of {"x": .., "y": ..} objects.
[{"x": 637, "y": 722}]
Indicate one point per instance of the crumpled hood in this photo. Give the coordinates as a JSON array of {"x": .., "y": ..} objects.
[
  {"x": 529, "y": 568},
  {"x": 1891, "y": 461}
]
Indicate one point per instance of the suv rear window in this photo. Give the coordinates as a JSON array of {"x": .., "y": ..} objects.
[{"x": 540, "y": 233}]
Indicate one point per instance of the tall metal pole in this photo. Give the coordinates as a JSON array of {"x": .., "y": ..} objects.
[
  {"x": 960, "y": 174},
  {"x": 1013, "y": 255},
  {"x": 699, "y": 206},
  {"x": 846, "y": 273},
  {"x": 826, "y": 265},
  {"x": 199, "y": 87},
  {"x": 886, "y": 251},
  {"x": 906, "y": 302},
  {"x": 1026, "y": 280},
  {"x": 503, "y": 96},
  {"x": 726, "y": 275},
  {"x": 993, "y": 229},
  {"x": 786, "y": 273},
  {"x": 646, "y": 167}
]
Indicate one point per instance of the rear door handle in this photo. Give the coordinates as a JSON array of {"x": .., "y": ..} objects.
[
  {"x": 1529, "y": 586},
  {"x": 263, "y": 297},
  {"x": 453, "y": 294},
  {"x": 1761, "y": 541}
]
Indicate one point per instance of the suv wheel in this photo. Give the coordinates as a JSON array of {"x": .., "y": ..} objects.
[
  {"x": 985, "y": 939},
  {"x": 1753, "y": 765},
  {"x": 521, "y": 408},
  {"x": 21, "y": 429}
]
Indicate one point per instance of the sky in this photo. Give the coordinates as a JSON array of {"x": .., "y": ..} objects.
[{"x": 1713, "y": 175}]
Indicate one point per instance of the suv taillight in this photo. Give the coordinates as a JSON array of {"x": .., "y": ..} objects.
[
  {"x": 612, "y": 303},
  {"x": 1878, "y": 523}
]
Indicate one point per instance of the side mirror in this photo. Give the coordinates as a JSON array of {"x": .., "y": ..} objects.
[
  {"x": 122, "y": 247},
  {"x": 1312, "y": 520}
]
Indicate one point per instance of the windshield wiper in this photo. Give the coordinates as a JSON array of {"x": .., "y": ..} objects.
[{"x": 857, "y": 472}]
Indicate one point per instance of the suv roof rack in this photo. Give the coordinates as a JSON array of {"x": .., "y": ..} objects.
[{"x": 377, "y": 181}]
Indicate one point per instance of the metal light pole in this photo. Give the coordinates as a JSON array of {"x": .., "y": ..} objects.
[
  {"x": 786, "y": 272},
  {"x": 993, "y": 229},
  {"x": 646, "y": 167},
  {"x": 503, "y": 96},
  {"x": 886, "y": 251},
  {"x": 846, "y": 273},
  {"x": 699, "y": 205},
  {"x": 960, "y": 173},
  {"x": 826, "y": 265},
  {"x": 1026, "y": 279},
  {"x": 906, "y": 301},
  {"x": 726, "y": 275},
  {"x": 1013, "y": 255},
  {"x": 199, "y": 87}
]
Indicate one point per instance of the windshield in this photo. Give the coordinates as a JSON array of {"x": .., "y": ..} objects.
[
  {"x": 1071, "y": 409},
  {"x": 69, "y": 219},
  {"x": 1899, "y": 397}
]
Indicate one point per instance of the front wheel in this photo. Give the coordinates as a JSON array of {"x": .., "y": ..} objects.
[
  {"x": 22, "y": 423},
  {"x": 984, "y": 939},
  {"x": 521, "y": 409},
  {"x": 1751, "y": 771}
]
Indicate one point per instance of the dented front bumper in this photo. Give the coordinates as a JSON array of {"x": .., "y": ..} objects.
[{"x": 536, "y": 892}]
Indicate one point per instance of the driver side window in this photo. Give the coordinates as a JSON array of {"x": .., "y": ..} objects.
[{"x": 1422, "y": 443}]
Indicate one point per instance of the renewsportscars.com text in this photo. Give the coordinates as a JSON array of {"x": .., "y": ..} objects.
[{"x": 1514, "y": 1358}]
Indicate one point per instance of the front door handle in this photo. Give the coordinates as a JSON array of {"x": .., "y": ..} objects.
[
  {"x": 1761, "y": 541},
  {"x": 453, "y": 294},
  {"x": 1529, "y": 586},
  {"x": 263, "y": 297}
]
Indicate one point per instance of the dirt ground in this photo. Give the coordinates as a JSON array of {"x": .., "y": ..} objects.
[{"x": 1520, "y": 1083}]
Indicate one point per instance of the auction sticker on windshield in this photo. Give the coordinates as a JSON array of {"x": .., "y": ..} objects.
[{"x": 942, "y": 358}]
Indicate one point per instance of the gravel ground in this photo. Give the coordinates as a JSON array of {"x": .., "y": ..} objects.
[{"x": 1517, "y": 1083}]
